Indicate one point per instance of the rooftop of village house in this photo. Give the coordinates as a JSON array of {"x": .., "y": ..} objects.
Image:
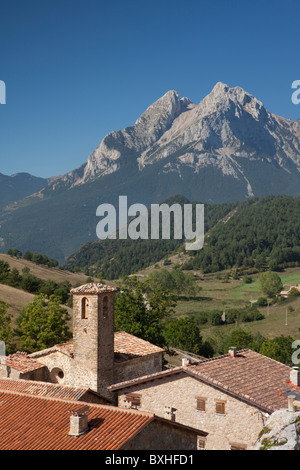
[{"x": 247, "y": 375}]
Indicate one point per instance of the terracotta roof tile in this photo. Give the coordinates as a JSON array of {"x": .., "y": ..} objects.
[
  {"x": 33, "y": 387},
  {"x": 39, "y": 423},
  {"x": 22, "y": 362},
  {"x": 126, "y": 347},
  {"x": 92, "y": 288},
  {"x": 249, "y": 376}
]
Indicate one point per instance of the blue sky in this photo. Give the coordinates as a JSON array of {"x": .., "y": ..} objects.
[{"x": 78, "y": 69}]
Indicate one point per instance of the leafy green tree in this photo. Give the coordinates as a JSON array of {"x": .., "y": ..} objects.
[
  {"x": 216, "y": 318},
  {"x": 53, "y": 263},
  {"x": 31, "y": 283},
  {"x": 43, "y": 323},
  {"x": 183, "y": 333},
  {"x": 262, "y": 302},
  {"x": 48, "y": 288},
  {"x": 175, "y": 281},
  {"x": 269, "y": 283},
  {"x": 6, "y": 332},
  {"x": 278, "y": 348},
  {"x": 27, "y": 255},
  {"x": 239, "y": 338},
  {"x": 273, "y": 265},
  {"x": 141, "y": 310},
  {"x": 4, "y": 270},
  {"x": 294, "y": 292},
  {"x": 14, "y": 278},
  {"x": 15, "y": 252}
]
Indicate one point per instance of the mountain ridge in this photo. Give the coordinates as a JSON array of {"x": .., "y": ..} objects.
[
  {"x": 226, "y": 127},
  {"x": 19, "y": 186},
  {"x": 226, "y": 148}
]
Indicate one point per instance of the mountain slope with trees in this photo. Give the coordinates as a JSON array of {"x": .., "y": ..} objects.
[
  {"x": 263, "y": 234},
  {"x": 257, "y": 233},
  {"x": 226, "y": 148}
]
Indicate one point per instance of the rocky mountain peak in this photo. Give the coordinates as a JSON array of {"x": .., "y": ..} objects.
[
  {"x": 148, "y": 128},
  {"x": 224, "y": 99},
  {"x": 226, "y": 132}
]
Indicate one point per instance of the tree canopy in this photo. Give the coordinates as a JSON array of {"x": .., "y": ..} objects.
[
  {"x": 269, "y": 283},
  {"x": 6, "y": 332},
  {"x": 183, "y": 333},
  {"x": 43, "y": 323},
  {"x": 141, "y": 310}
]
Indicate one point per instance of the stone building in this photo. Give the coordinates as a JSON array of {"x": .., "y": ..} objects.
[
  {"x": 230, "y": 397},
  {"x": 97, "y": 357},
  {"x": 35, "y": 422}
]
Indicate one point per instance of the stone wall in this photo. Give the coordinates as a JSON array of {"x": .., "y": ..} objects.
[
  {"x": 240, "y": 425},
  {"x": 38, "y": 374},
  {"x": 161, "y": 436},
  {"x": 143, "y": 365},
  {"x": 93, "y": 339},
  {"x": 59, "y": 366}
]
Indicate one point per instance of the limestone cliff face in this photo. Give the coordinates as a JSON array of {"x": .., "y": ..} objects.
[
  {"x": 281, "y": 432},
  {"x": 226, "y": 131},
  {"x": 147, "y": 130}
]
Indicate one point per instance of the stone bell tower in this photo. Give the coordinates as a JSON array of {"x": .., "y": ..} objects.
[{"x": 93, "y": 336}]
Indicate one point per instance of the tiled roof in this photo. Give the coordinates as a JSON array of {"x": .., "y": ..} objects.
[
  {"x": 92, "y": 288},
  {"x": 65, "y": 348},
  {"x": 47, "y": 389},
  {"x": 249, "y": 376},
  {"x": 147, "y": 378},
  {"x": 39, "y": 423},
  {"x": 128, "y": 347},
  {"x": 22, "y": 362}
]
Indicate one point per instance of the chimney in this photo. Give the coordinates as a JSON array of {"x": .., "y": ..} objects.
[
  {"x": 170, "y": 413},
  {"x": 291, "y": 403},
  {"x": 186, "y": 360},
  {"x": 79, "y": 422},
  {"x": 232, "y": 351},
  {"x": 295, "y": 376}
]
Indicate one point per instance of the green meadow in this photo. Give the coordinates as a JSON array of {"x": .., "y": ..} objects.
[{"x": 281, "y": 318}]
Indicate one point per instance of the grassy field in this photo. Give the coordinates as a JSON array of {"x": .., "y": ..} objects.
[
  {"x": 282, "y": 318},
  {"x": 222, "y": 294},
  {"x": 17, "y": 299},
  {"x": 216, "y": 294},
  {"x": 43, "y": 272}
]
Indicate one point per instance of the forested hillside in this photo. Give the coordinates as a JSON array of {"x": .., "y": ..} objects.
[
  {"x": 260, "y": 232},
  {"x": 263, "y": 234},
  {"x": 115, "y": 258}
]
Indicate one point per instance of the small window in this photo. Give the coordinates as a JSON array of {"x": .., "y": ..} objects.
[
  {"x": 134, "y": 399},
  {"x": 201, "y": 441},
  {"x": 235, "y": 446},
  {"x": 201, "y": 402},
  {"x": 84, "y": 308},
  {"x": 220, "y": 407}
]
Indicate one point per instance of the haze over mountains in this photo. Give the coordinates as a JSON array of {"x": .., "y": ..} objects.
[
  {"x": 226, "y": 148},
  {"x": 20, "y": 185}
]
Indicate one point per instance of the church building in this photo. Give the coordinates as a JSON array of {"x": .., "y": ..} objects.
[{"x": 97, "y": 357}]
